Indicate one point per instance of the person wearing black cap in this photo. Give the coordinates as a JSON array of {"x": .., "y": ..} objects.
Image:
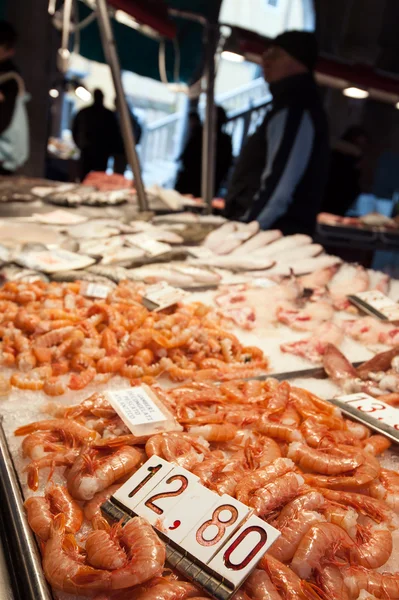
[{"x": 280, "y": 176}]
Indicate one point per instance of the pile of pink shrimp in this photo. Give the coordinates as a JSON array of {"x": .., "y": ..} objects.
[
  {"x": 287, "y": 454},
  {"x": 50, "y": 330}
]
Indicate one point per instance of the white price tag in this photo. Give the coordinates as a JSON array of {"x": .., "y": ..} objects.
[
  {"x": 135, "y": 406},
  {"x": 374, "y": 408},
  {"x": 96, "y": 290},
  {"x": 161, "y": 295},
  {"x": 218, "y": 532},
  {"x": 200, "y": 252},
  {"x": 376, "y": 302}
]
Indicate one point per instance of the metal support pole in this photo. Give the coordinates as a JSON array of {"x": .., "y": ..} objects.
[
  {"x": 111, "y": 55},
  {"x": 209, "y": 133}
]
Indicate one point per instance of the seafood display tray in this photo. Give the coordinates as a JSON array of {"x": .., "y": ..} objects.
[{"x": 22, "y": 554}]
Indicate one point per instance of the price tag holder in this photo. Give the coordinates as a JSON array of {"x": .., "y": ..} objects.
[
  {"x": 376, "y": 304},
  {"x": 142, "y": 411},
  {"x": 94, "y": 290},
  {"x": 215, "y": 541},
  {"x": 371, "y": 412},
  {"x": 162, "y": 295}
]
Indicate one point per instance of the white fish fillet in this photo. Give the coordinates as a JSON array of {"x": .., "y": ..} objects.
[
  {"x": 304, "y": 266},
  {"x": 261, "y": 239},
  {"x": 296, "y": 254},
  {"x": 236, "y": 263},
  {"x": 199, "y": 275},
  {"x": 121, "y": 255},
  {"x": 214, "y": 238},
  {"x": 284, "y": 244},
  {"x": 155, "y": 273}
]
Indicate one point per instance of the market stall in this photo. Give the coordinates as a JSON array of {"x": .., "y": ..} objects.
[{"x": 208, "y": 357}]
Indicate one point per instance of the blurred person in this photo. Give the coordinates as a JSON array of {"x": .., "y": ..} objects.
[
  {"x": 280, "y": 175},
  {"x": 345, "y": 171},
  {"x": 120, "y": 159},
  {"x": 14, "y": 129},
  {"x": 189, "y": 177},
  {"x": 94, "y": 129}
]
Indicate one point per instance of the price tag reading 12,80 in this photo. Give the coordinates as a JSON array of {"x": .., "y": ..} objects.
[
  {"x": 219, "y": 532},
  {"x": 373, "y": 408}
]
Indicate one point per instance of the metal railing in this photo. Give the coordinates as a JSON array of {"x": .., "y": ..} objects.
[{"x": 245, "y": 110}]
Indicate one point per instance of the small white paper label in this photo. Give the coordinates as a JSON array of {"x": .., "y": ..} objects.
[
  {"x": 135, "y": 406},
  {"x": 200, "y": 252},
  {"x": 97, "y": 290},
  {"x": 374, "y": 408},
  {"x": 161, "y": 295},
  {"x": 380, "y": 302}
]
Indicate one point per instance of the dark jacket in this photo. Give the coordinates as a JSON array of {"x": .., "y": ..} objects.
[
  {"x": 9, "y": 91},
  {"x": 344, "y": 178},
  {"x": 95, "y": 128},
  {"x": 280, "y": 176},
  {"x": 189, "y": 178}
]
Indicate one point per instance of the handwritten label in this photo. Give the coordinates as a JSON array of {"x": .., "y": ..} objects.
[
  {"x": 374, "y": 408},
  {"x": 96, "y": 290},
  {"x": 376, "y": 302},
  {"x": 162, "y": 295},
  {"x": 135, "y": 406}
]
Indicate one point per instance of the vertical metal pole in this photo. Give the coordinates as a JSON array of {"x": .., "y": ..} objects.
[
  {"x": 209, "y": 131},
  {"x": 111, "y": 55}
]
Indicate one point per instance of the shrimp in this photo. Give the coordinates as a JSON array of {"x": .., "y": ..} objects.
[
  {"x": 363, "y": 475},
  {"x": 63, "y": 566},
  {"x": 146, "y": 555},
  {"x": 165, "y": 589},
  {"x": 250, "y": 483},
  {"x": 95, "y": 405},
  {"x": 321, "y": 542},
  {"x": 276, "y": 493},
  {"x": 288, "y": 584},
  {"x": 61, "y": 502},
  {"x": 375, "y": 509},
  {"x": 180, "y": 448},
  {"x": 386, "y": 488},
  {"x": 345, "y": 517},
  {"x": 309, "y": 501},
  {"x": 373, "y": 547},
  {"x": 67, "y": 427},
  {"x": 215, "y": 433},
  {"x": 54, "y": 338},
  {"x": 376, "y": 444},
  {"x": 103, "y": 548},
  {"x": 54, "y": 387},
  {"x": 39, "y": 516},
  {"x": 380, "y": 585},
  {"x": 259, "y": 586},
  {"x": 328, "y": 461},
  {"x": 33, "y": 380},
  {"x": 272, "y": 429},
  {"x": 92, "y": 508},
  {"x": 51, "y": 460},
  {"x": 90, "y": 475},
  {"x": 286, "y": 545},
  {"x": 37, "y": 445},
  {"x": 78, "y": 382},
  {"x": 331, "y": 581},
  {"x": 110, "y": 364}
]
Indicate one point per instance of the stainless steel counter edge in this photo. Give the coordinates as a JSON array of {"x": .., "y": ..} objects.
[{"x": 23, "y": 557}]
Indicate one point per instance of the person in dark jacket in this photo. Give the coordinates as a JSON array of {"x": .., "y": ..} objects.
[
  {"x": 120, "y": 159},
  {"x": 94, "y": 130},
  {"x": 8, "y": 89},
  {"x": 345, "y": 171},
  {"x": 189, "y": 178},
  {"x": 280, "y": 176}
]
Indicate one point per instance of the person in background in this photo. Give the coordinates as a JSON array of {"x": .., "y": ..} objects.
[
  {"x": 280, "y": 176},
  {"x": 189, "y": 177},
  {"x": 94, "y": 129},
  {"x": 14, "y": 132},
  {"x": 120, "y": 159},
  {"x": 345, "y": 171}
]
